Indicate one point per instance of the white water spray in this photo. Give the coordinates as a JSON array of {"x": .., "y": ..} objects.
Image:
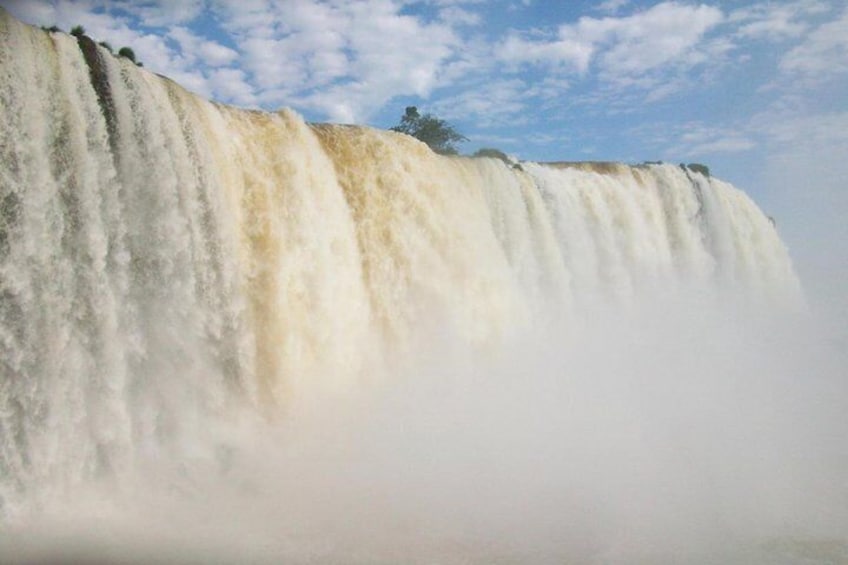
[{"x": 339, "y": 336}]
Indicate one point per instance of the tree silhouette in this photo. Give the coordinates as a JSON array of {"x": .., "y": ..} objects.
[
  {"x": 127, "y": 52},
  {"x": 436, "y": 133}
]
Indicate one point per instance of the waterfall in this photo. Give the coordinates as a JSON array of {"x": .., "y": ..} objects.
[
  {"x": 171, "y": 266},
  {"x": 194, "y": 253}
]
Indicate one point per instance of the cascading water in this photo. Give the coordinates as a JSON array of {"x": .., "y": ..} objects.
[{"x": 172, "y": 269}]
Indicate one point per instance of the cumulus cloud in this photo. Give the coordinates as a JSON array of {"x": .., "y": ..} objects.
[
  {"x": 210, "y": 53},
  {"x": 627, "y": 61},
  {"x": 216, "y": 55},
  {"x": 343, "y": 59},
  {"x": 231, "y": 84}
]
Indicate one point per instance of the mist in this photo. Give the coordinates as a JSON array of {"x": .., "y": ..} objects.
[
  {"x": 676, "y": 430},
  {"x": 232, "y": 336}
]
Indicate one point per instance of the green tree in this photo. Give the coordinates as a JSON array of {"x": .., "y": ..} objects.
[
  {"x": 436, "y": 133},
  {"x": 127, "y": 52},
  {"x": 77, "y": 31}
]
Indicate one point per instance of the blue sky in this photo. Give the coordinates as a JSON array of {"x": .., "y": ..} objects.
[
  {"x": 757, "y": 90},
  {"x": 620, "y": 80}
]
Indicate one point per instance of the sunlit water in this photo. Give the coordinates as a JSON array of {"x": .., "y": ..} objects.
[{"x": 231, "y": 336}]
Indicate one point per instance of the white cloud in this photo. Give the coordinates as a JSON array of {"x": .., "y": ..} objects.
[
  {"x": 34, "y": 13},
  {"x": 695, "y": 139},
  {"x": 345, "y": 59},
  {"x": 160, "y": 13},
  {"x": 666, "y": 34},
  {"x": 776, "y": 21},
  {"x": 817, "y": 130},
  {"x": 562, "y": 53},
  {"x": 216, "y": 55},
  {"x": 500, "y": 102},
  {"x": 455, "y": 16},
  {"x": 273, "y": 62},
  {"x": 774, "y": 25},
  {"x": 445, "y": 2},
  {"x": 780, "y": 129},
  {"x": 673, "y": 140},
  {"x": 231, "y": 84},
  {"x": 661, "y": 35},
  {"x": 198, "y": 49},
  {"x": 612, "y": 6},
  {"x": 823, "y": 53},
  {"x": 730, "y": 144}
]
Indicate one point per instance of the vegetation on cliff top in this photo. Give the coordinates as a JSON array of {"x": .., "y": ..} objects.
[
  {"x": 439, "y": 135},
  {"x": 78, "y": 31}
]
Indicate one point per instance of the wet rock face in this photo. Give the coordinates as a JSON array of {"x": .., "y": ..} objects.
[{"x": 100, "y": 81}]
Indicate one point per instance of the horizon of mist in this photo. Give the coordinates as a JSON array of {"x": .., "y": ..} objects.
[{"x": 678, "y": 429}]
